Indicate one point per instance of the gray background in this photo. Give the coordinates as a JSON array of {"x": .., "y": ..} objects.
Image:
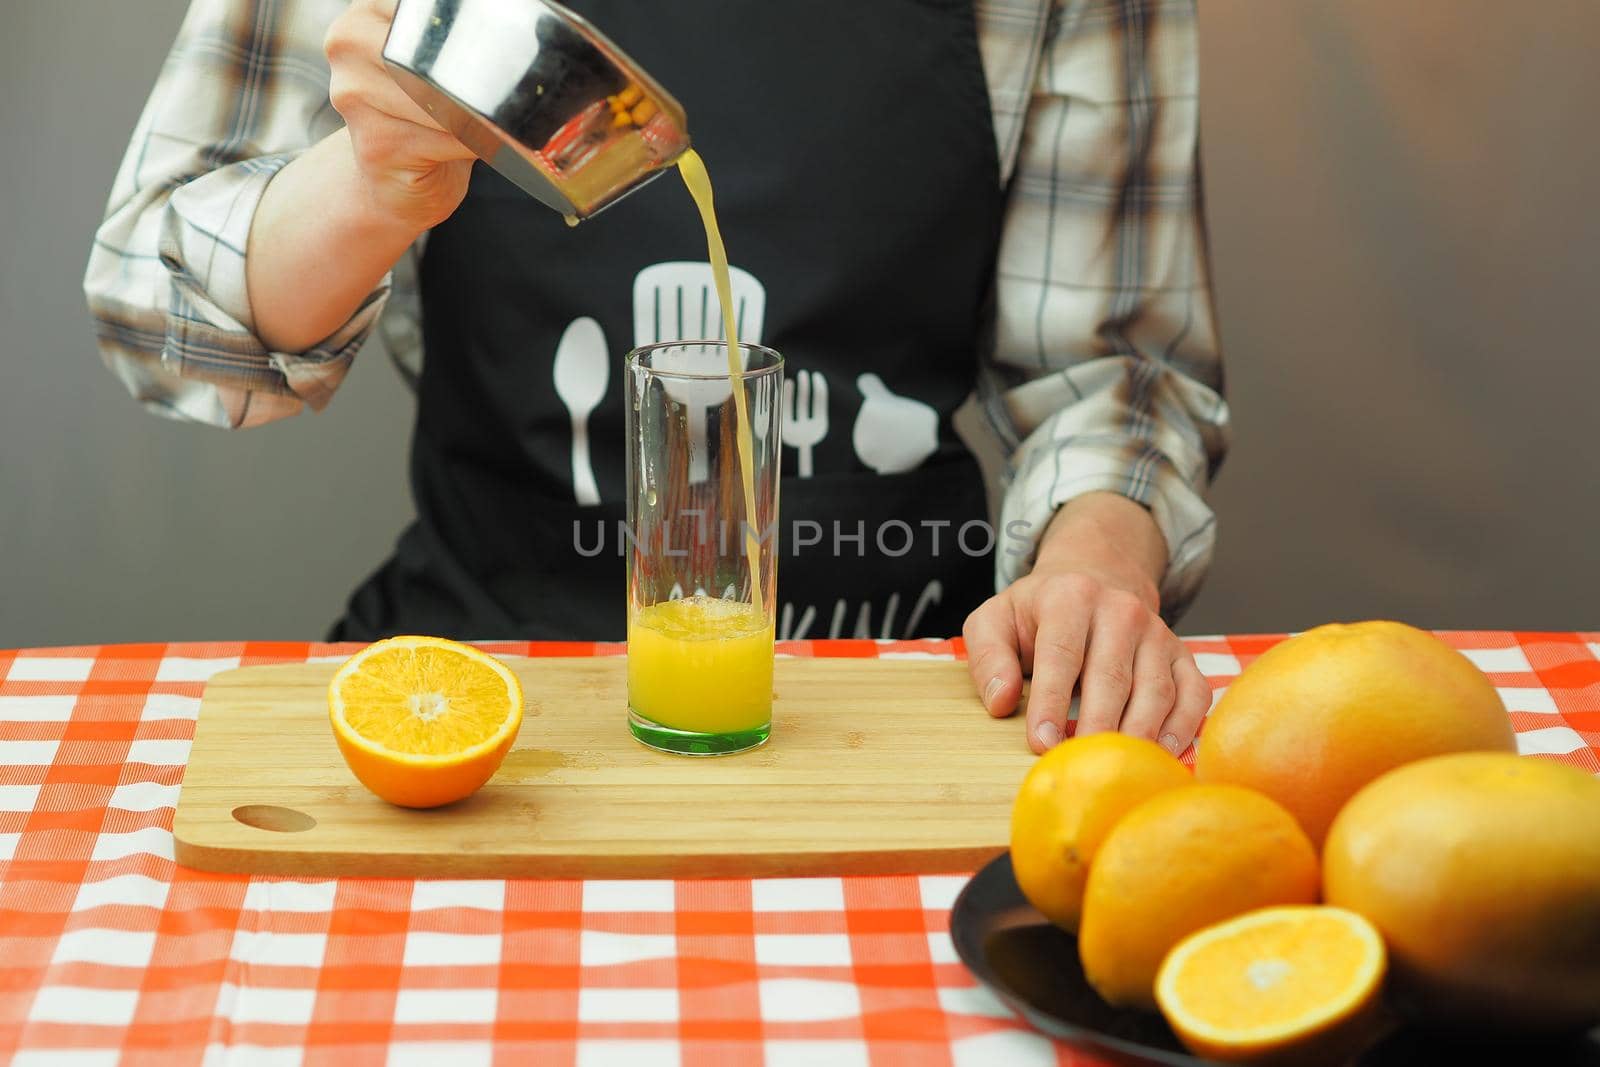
[{"x": 1404, "y": 246}]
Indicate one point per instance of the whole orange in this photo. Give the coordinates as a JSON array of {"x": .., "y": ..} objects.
[
  {"x": 1177, "y": 863},
  {"x": 1068, "y": 803},
  {"x": 1322, "y": 714},
  {"x": 1482, "y": 871}
]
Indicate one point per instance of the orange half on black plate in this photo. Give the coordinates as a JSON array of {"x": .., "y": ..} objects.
[{"x": 1033, "y": 967}]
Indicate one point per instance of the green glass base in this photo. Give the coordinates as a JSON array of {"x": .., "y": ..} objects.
[{"x": 690, "y": 743}]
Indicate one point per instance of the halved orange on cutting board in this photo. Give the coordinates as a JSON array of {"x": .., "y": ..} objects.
[
  {"x": 1296, "y": 984},
  {"x": 423, "y": 721}
]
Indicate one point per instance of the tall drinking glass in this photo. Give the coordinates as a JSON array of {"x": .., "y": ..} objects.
[{"x": 702, "y": 545}]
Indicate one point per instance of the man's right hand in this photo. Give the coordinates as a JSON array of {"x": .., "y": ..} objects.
[
  {"x": 413, "y": 170},
  {"x": 339, "y": 215}
]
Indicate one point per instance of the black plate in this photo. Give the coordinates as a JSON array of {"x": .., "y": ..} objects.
[{"x": 1033, "y": 967}]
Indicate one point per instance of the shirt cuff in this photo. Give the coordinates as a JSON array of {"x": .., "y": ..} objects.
[
  {"x": 210, "y": 327},
  {"x": 1060, "y": 471}
]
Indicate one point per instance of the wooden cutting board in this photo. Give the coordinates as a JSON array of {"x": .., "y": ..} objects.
[{"x": 874, "y": 766}]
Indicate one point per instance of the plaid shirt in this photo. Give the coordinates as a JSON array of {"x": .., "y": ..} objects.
[{"x": 1104, "y": 372}]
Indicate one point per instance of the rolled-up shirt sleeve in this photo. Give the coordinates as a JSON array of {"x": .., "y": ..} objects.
[
  {"x": 1106, "y": 373},
  {"x": 243, "y": 91}
]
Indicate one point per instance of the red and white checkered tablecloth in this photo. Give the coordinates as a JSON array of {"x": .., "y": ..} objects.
[{"x": 110, "y": 953}]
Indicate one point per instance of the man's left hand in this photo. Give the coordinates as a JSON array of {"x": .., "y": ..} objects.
[{"x": 1088, "y": 617}]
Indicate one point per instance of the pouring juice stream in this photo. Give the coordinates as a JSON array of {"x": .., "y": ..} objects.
[
  {"x": 693, "y": 169},
  {"x": 703, "y": 663}
]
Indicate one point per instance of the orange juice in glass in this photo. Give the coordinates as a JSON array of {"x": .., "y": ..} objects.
[{"x": 704, "y": 458}]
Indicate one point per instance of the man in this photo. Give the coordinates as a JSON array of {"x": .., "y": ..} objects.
[{"x": 924, "y": 200}]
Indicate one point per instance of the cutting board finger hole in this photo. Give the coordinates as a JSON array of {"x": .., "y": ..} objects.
[{"x": 272, "y": 817}]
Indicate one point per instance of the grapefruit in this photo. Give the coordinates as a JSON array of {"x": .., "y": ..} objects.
[
  {"x": 1482, "y": 871},
  {"x": 1322, "y": 714}
]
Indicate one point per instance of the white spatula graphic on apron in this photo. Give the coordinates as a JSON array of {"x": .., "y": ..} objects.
[
  {"x": 677, "y": 301},
  {"x": 581, "y": 373}
]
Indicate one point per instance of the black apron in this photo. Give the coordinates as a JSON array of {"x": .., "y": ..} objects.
[{"x": 853, "y": 156}]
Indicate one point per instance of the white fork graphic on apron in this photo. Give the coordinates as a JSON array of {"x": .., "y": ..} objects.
[{"x": 805, "y": 414}]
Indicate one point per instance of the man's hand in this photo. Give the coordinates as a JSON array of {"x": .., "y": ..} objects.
[
  {"x": 414, "y": 170},
  {"x": 336, "y": 218},
  {"x": 1088, "y": 616}
]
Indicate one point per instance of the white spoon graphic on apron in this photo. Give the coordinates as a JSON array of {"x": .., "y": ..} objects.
[
  {"x": 677, "y": 301},
  {"x": 581, "y": 372}
]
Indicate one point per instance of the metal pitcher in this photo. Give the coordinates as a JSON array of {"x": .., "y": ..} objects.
[{"x": 540, "y": 95}]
